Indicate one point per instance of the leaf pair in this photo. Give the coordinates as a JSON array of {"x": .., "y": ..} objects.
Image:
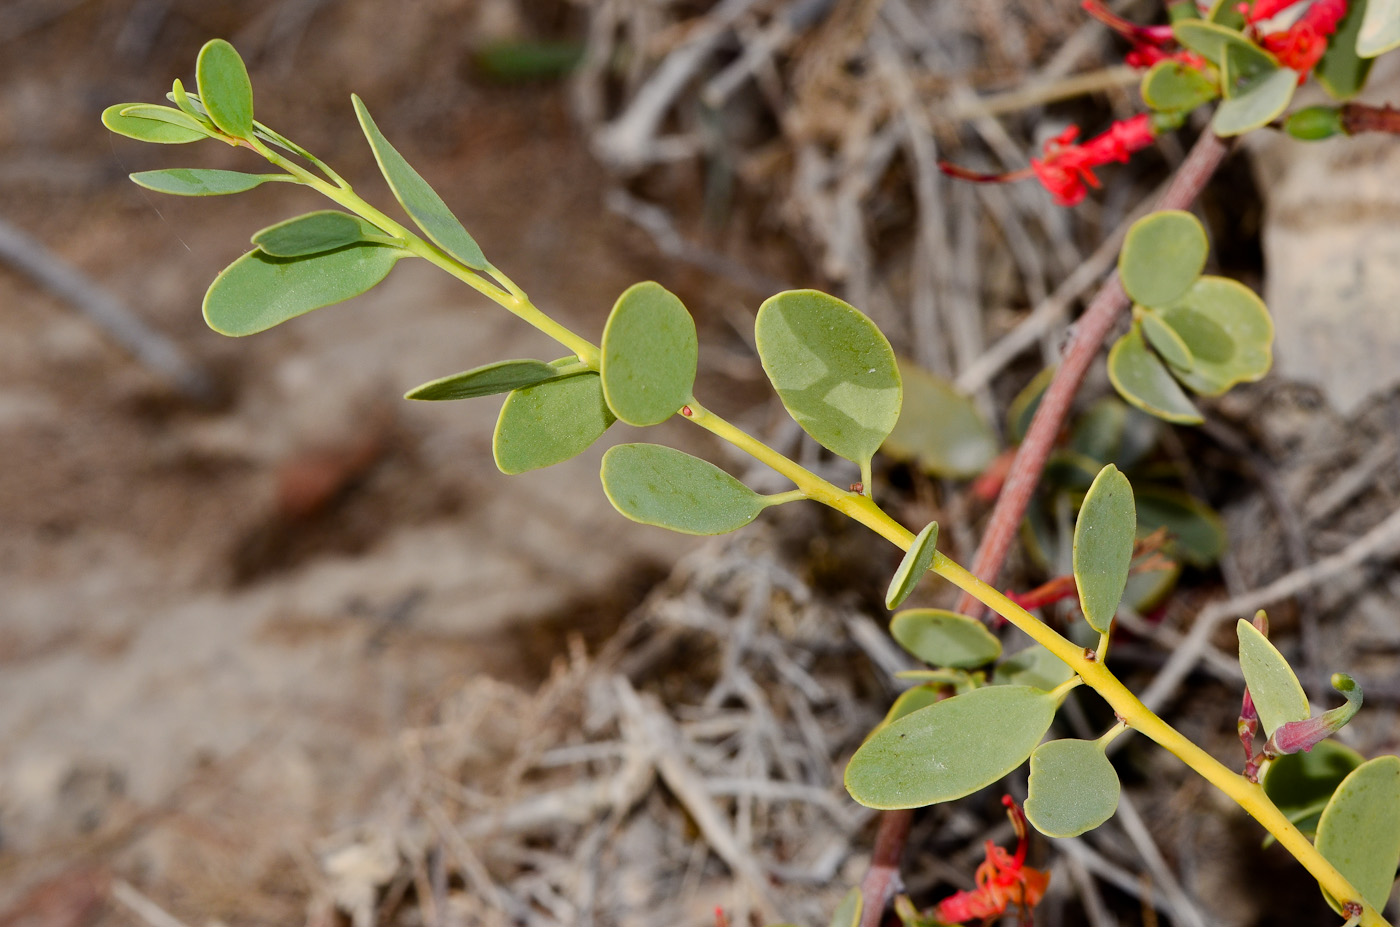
[{"x": 1207, "y": 333}]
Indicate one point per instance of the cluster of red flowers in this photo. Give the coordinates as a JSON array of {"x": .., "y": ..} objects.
[
  {"x": 1002, "y": 881},
  {"x": 1067, "y": 169},
  {"x": 1301, "y": 45}
]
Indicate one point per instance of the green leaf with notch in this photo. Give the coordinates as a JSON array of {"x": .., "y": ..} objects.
[
  {"x": 224, "y": 88},
  {"x": 1341, "y": 71},
  {"x": 834, "y": 371},
  {"x": 1073, "y": 788},
  {"x": 1207, "y": 39},
  {"x": 1164, "y": 340},
  {"x": 662, "y": 486},
  {"x": 1103, "y": 546},
  {"x": 313, "y": 233},
  {"x": 1359, "y": 831},
  {"x": 418, "y": 199},
  {"x": 550, "y": 422},
  {"x": 1277, "y": 694},
  {"x": 944, "y": 638},
  {"x": 939, "y": 429},
  {"x": 258, "y": 291},
  {"x": 1032, "y": 666},
  {"x": 1162, "y": 255},
  {"x": 489, "y": 380},
  {"x": 1302, "y": 783},
  {"x": 1228, "y": 331},
  {"x": 649, "y": 355},
  {"x": 950, "y": 749},
  {"x": 1144, "y": 381},
  {"x": 1173, "y": 87},
  {"x": 148, "y": 130},
  {"x": 1261, "y": 104},
  {"x": 847, "y": 913},
  {"x": 197, "y": 181},
  {"x": 917, "y": 559},
  {"x": 1380, "y": 28}
]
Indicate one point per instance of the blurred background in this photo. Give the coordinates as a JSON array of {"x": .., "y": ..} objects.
[{"x": 278, "y": 647}]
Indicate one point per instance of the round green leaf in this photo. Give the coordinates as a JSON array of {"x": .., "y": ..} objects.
[
  {"x": 943, "y": 638},
  {"x": 1171, "y": 86},
  {"x": 939, "y": 429},
  {"x": 668, "y": 488},
  {"x": 312, "y": 233},
  {"x": 258, "y": 291},
  {"x": 1207, "y": 39},
  {"x": 1032, "y": 666},
  {"x": 1277, "y": 694},
  {"x": 1142, "y": 379},
  {"x": 500, "y": 377},
  {"x": 1073, "y": 788},
  {"x": 417, "y": 198},
  {"x": 649, "y": 355},
  {"x": 1359, "y": 831},
  {"x": 847, "y": 913},
  {"x": 1261, "y": 104},
  {"x": 550, "y": 422},
  {"x": 1103, "y": 546},
  {"x": 1197, "y": 530},
  {"x": 1380, "y": 28},
  {"x": 1302, "y": 783},
  {"x": 917, "y": 559},
  {"x": 1162, "y": 256},
  {"x": 950, "y": 749},
  {"x": 1227, "y": 329},
  {"x": 833, "y": 370},
  {"x": 1341, "y": 71},
  {"x": 224, "y": 88},
  {"x": 1164, "y": 340},
  {"x": 147, "y": 130},
  {"x": 195, "y": 181}
]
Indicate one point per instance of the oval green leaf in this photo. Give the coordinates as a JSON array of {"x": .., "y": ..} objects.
[
  {"x": 1162, "y": 256},
  {"x": 312, "y": 233},
  {"x": 148, "y": 130},
  {"x": 662, "y": 486},
  {"x": 1171, "y": 86},
  {"x": 224, "y": 88},
  {"x": 939, "y": 429},
  {"x": 1359, "y": 831},
  {"x": 1197, "y": 530},
  {"x": 950, "y": 749},
  {"x": 417, "y": 198},
  {"x": 195, "y": 181},
  {"x": 943, "y": 638},
  {"x": 917, "y": 559},
  {"x": 1207, "y": 39},
  {"x": 258, "y": 291},
  {"x": 1103, "y": 546},
  {"x": 550, "y": 422},
  {"x": 649, "y": 355},
  {"x": 847, "y": 913},
  {"x": 1073, "y": 788},
  {"x": 1342, "y": 72},
  {"x": 1277, "y": 694},
  {"x": 1164, "y": 340},
  {"x": 1228, "y": 331},
  {"x": 490, "y": 380},
  {"x": 1261, "y": 104},
  {"x": 1143, "y": 380},
  {"x": 1032, "y": 666},
  {"x": 1302, "y": 783},
  {"x": 165, "y": 114},
  {"x": 834, "y": 371},
  {"x": 1380, "y": 28}
]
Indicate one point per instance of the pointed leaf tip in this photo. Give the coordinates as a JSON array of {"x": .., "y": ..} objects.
[{"x": 1277, "y": 694}]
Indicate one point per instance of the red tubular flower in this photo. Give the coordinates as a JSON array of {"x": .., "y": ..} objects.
[
  {"x": 1301, "y": 45},
  {"x": 1067, "y": 168},
  {"x": 1002, "y": 880}
]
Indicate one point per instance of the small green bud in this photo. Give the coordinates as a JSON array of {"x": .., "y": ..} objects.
[{"x": 1314, "y": 123}]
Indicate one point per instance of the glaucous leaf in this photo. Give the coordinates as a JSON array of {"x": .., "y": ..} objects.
[
  {"x": 165, "y": 114},
  {"x": 489, "y": 380},
  {"x": 1262, "y": 103},
  {"x": 662, "y": 486},
  {"x": 939, "y": 429},
  {"x": 943, "y": 638},
  {"x": 197, "y": 181},
  {"x": 847, "y": 913},
  {"x": 1032, "y": 666},
  {"x": 1380, "y": 28},
  {"x": 1207, "y": 39},
  {"x": 834, "y": 371},
  {"x": 1022, "y": 408},
  {"x": 1174, "y": 87},
  {"x": 312, "y": 233},
  {"x": 1162, "y": 256},
  {"x": 649, "y": 355},
  {"x": 1073, "y": 788},
  {"x": 1197, "y": 530},
  {"x": 418, "y": 199},
  {"x": 1359, "y": 831},
  {"x": 1228, "y": 331},
  {"x": 1144, "y": 381},
  {"x": 147, "y": 130},
  {"x": 1103, "y": 546},
  {"x": 917, "y": 559},
  {"x": 550, "y": 422},
  {"x": 224, "y": 88},
  {"x": 1302, "y": 783},
  {"x": 950, "y": 749},
  {"x": 258, "y": 291},
  {"x": 1244, "y": 67},
  {"x": 1277, "y": 694},
  {"x": 1164, "y": 340},
  {"x": 1341, "y": 71}
]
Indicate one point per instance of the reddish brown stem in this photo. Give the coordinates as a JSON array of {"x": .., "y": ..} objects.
[
  {"x": 882, "y": 880},
  {"x": 1358, "y": 118}
]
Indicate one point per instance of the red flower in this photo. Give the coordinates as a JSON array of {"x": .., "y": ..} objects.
[
  {"x": 1301, "y": 45},
  {"x": 1002, "y": 880},
  {"x": 1067, "y": 168}
]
